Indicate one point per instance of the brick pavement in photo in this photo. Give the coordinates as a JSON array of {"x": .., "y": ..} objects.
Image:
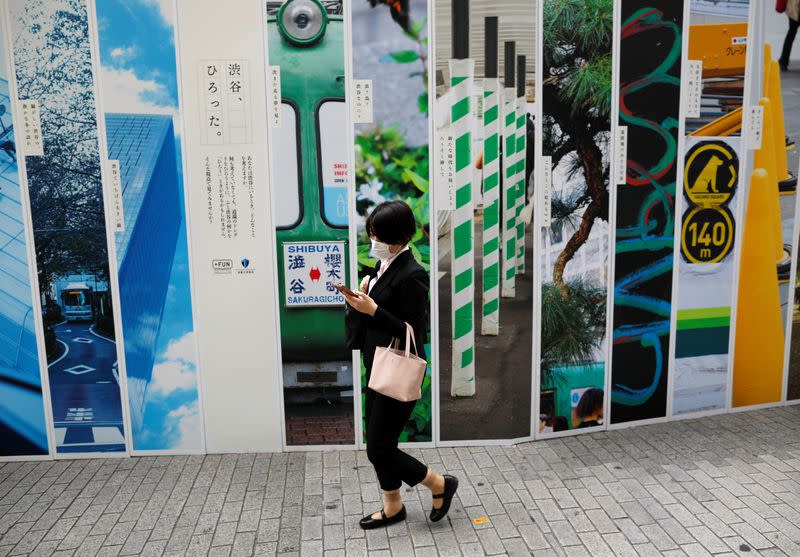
[
  {"x": 328, "y": 430},
  {"x": 722, "y": 485}
]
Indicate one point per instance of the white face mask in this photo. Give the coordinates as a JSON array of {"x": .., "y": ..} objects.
[{"x": 381, "y": 250}]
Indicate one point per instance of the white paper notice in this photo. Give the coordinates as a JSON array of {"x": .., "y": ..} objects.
[
  {"x": 446, "y": 186},
  {"x": 362, "y": 101},
  {"x": 694, "y": 87},
  {"x": 275, "y": 96},
  {"x": 115, "y": 175},
  {"x": 621, "y": 156},
  {"x": 547, "y": 191},
  {"x": 754, "y": 129},
  {"x": 31, "y": 127}
]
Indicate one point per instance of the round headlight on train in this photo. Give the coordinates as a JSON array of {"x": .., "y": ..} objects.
[{"x": 302, "y": 22}]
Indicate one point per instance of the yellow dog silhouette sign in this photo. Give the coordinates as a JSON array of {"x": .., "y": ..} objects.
[{"x": 709, "y": 177}]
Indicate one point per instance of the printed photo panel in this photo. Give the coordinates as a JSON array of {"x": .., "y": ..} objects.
[
  {"x": 485, "y": 70},
  {"x": 139, "y": 98},
  {"x": 309, "y": 155},
  {"x": 651, "y": 38},
  {"x": 574, "y": 245},
  {"x": 782, "y": 54},
  {"x": 23, "y": 431},
  {"x": 223, "y": 98},
  {"x": 762, "y": 320},
  {"x": 55, "y": 84},
  {"x": 392, "y": 153},
  {"x": 709, "y": 204}
]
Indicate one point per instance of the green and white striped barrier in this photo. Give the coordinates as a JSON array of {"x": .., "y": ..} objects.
[
  {"x": 462, "y": 235},
  {"x": 509, "y": 266},
  {"x": 520, "y": 180},
  {"x": 490, "y": 323}
]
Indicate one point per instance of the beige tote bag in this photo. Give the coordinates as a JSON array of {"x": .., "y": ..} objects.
[{"x": 398, "y": 373}]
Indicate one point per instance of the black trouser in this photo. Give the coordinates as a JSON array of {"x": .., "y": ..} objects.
[
  {"x": 385, "y": 418},
  {"x": 788, "y": 41}
]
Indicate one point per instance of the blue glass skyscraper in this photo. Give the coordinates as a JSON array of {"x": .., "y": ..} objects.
[
  {"x": 22, "y": 427},
  {"x": 144, "y": 144}
]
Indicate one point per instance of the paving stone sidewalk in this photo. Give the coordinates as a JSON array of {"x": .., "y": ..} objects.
[{"x": 723, "y": 485}]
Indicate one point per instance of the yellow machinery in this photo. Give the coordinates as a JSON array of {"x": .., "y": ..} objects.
[
  {"x": 727, "y": 124},
  {"x": 721, "y": 46},
  {"x": 723, "y": 49}
]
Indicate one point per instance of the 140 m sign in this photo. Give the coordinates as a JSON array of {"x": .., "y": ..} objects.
[
  {"x": 707, "y": 235},
  {"x": 709, "y": 182}
]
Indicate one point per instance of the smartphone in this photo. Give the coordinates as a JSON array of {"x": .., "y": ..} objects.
[{"x": 344, "y": 290}]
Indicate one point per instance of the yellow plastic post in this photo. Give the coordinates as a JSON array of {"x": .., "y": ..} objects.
[
  {"x": 772, "y": 90},
  {"x": 767, "y": 60},
  {"x": 765, "y": 158},
  {"x": 758, "y": 351},
  {"x": 775, "y": 95}
]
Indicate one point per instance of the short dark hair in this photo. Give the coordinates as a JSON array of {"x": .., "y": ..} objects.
[
  {"x": 392, "y": 222},
  {"x": 591, "y": 401}
]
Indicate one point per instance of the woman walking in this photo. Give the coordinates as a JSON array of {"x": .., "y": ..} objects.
[
  {"x": 793, "y": 13},
  {"x": 394, "y": 294}
]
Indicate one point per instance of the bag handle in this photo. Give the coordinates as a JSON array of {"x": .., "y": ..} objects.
[{"x": 410, "y": 340}]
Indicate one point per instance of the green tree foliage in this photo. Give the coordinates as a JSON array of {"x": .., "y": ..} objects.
[
  {"x": 53, "y": 65},
  {"x": 396, "y": 171},
  {"x": 571, "y": 326},
  {"x": 577, "y": 93}
]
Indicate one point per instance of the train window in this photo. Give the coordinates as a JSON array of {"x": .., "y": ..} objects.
[
  {"x": 333, "y": 155},
  {"x": 286, "y": 170},
  {"x": 74, "y": 298}
]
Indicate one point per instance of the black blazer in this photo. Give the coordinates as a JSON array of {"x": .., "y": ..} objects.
[{"x": 402, "y": 297}]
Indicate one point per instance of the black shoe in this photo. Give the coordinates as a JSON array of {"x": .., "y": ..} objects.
[
  {"x": 784, "y": 66},
  {"x": 368, "y": 523},
  {"x": 450, "y": 487}
]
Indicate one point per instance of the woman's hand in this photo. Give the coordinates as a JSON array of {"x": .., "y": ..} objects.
[
  {"x": 362, "y": 303},
  {"x": 365, "y": 284}
]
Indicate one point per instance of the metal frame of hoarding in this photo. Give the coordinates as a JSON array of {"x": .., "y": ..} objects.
[
  {"x": 355, "y": 364},
  {"x": 433, "y": 154},
  {"x": 679, "y": 202},
  {"x": 432, "y": 207}
]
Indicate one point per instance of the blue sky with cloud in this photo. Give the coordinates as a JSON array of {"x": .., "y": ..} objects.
[
  {"x": 138, "y": 75},
  {"x": 137, "y": 56}
]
